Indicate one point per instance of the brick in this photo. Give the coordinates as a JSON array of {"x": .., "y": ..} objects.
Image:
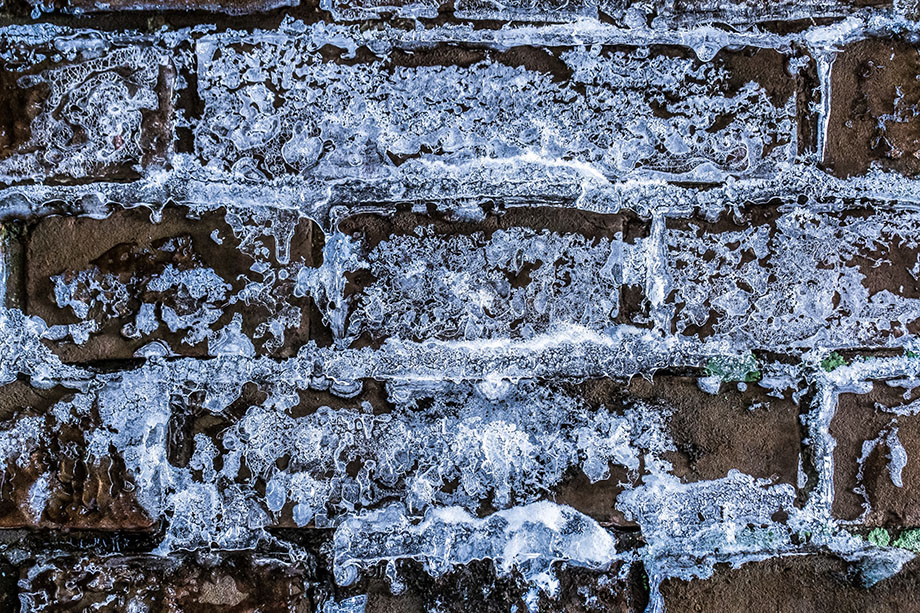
[
  {"x": 743, "y": 429},
  {"x": 8, "y": 588},
  {"x": 518, "y": 10},
  {"x": 794, "y": 584},
  {"x": 780, "y": 277},
  {"x": 104, "y": 116},
  {"x": 633, "y": 14},
  {"x": 473, "y": 284},
  {"x": 448, "y": 445},
  {"x": 49, "y": 478},
  {"x": 874, "y": 91},
  {"x": 476, "y": 585},
  {"x": 210, "y": 584},
  {"x": 689, "y": 12},
  {"x": 226, "y": 7},
  {"x": 111, "y": 286},
  {"x": 773, "y": 277},
  {"x": 578, "y": 444},
  {"x": 868, "y": 432},
  {"x": 622, "y": 111}
]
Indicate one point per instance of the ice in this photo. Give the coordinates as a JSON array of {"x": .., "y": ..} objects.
[
  {"x": 476, "y": 369},
  {"x": 529, "y": 539}
]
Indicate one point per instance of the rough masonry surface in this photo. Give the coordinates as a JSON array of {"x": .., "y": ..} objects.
[{"x": 367, "y": 306}]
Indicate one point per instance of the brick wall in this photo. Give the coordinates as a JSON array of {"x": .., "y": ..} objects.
[{"x": 389, "y": 306}]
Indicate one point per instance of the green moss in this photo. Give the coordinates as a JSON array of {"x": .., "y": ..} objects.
[
  {"x": 879, "y": 537},
  {"x": 10, "y": 231},
  {"x": 833, "y": 361},
  {"x": 731, "y": 369},
  {"x": 909, "y": 539}
]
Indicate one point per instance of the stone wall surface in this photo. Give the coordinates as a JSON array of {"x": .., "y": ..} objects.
[{"x": 352, "y": 306}]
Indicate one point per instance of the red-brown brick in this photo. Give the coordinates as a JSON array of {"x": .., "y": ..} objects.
[
  {"x": 793, "y": 584},
  {"x": 227, "y": 7},
  {"x": 874, "y": 91},
  {"x": 129, "y": 273},
  {"x": 49, "y": 478},
  {"x": 102, "y": 116},
  {"x": 867, "y": 424},
  {"x": 229, "y": 583}
]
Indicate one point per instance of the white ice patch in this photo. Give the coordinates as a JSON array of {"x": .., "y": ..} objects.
[{"x": 529, "y": 539}]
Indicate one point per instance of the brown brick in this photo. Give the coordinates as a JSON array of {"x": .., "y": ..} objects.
[
  {"x": 861, "y": 423},
  {"x": 101, "y": 117},
  {"x": 794, "y": 584},
  {"x": 793, "y": 279},
  {"x": 128, "y": 271},
  {"x": 227, "y": 7},
  {"x": 666, "y": 13},
  {"x": 624, "y": 112},
  {"x": 597, "y": 500},
  {"x": 231, "y": 583},
  {"x": 375, "y": 455},
  {"x": 49, "y": 480},
  {"x": 451, "y": 248},
  {"x": 874, "y": 90},
  {"x": 748, "y": 430},
  {"x": 8, "y": 589},
  {"x": 475, "y": 586}
]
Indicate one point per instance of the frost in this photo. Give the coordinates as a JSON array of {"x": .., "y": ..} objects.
[
  {"x": 516, "y": 283},
  {"x": 529, "y": 539},
  {"x": 355, "y": 604},
  {"x": 367, "y": 114},
  {"x": 476, "y": 338},
  {"x": 792, "y": 283},
  {"x": 897, "y": 457},
  {"x": 39, "y": 494},
  {"x": 91, "y": 119}
]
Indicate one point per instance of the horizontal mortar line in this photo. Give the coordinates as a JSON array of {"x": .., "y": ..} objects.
[
  {"x": 582, "y": 31},
  {"x": 316, "y": 199},
  {"x": 469, "y": 365}
]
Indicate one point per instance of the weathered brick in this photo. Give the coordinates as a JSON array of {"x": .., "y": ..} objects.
[
  {"x": 110, "y": 286},
  {"x": 234, "y": 583},
  {"x": 794, "y": 584},
  {"x": 103, "y": 115},
  {"x": 782, "y": 277},
  {"x": 227, "y": 7},
  {"x": 50, "y": 480},
  {"x": 634, "y": 14},
  {"x": 874, "y": 91},
  {"x": 459, "y": 444},
  {"x": 869, "y": 466},
  {"x": 774, "y": 276},
  {"x": 745, "y": 429},
  {"x": 624, "y": 112},
  {"x": 689, "y": 12},
  {"x": 519, "y": 10},
  {"x": 476, "y": 586},
  {"x": 511, "y": 275},
  {"x": 449, "y": 445}
]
